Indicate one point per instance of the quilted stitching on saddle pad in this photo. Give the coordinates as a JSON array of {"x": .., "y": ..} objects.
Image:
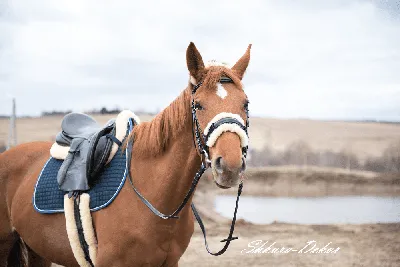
[{"x": 48, "y": 198}]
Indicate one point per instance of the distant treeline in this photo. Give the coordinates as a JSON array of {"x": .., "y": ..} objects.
[
  {"x": 300, "y": 153},
  {"x": 372, "y": 121},
  {"x": 102, "y": 111},
  {"x": 55, "y": 113}
]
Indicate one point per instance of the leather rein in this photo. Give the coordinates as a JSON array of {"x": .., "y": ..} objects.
[{"x": 203, "y": 150}]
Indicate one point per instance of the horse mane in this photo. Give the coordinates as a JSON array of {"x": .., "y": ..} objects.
[{"x": 151, "y": 138}]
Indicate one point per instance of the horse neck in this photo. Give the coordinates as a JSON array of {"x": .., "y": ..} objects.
[{"x": 165, "y": 177}]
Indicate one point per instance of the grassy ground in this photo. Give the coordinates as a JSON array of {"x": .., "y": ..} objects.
[{"x": 360, "y": 245}]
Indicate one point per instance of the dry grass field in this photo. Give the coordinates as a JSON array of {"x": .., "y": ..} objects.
[{"x": 361, "y": 138}]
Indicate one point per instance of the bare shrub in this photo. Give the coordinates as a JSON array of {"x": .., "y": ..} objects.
[
  {"x": 340, "y": 159},
  {"x": 297, "y": 153},
  {"x": 2, "y": 147},
  {"x": 300, "y": 153},
  {"x": 391, "y": 157},
  {"x": 375, "y": 164},
  {"x": 263, "y": 157},
  {"x": 388, "y": 162}
]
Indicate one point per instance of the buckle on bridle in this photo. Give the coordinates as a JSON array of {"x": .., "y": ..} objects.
[{"x": 205, "y": 159}]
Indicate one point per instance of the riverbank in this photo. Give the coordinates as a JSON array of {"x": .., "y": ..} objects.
[
  {"x": 359, "y": 245},
  {"x": 308, "y": 181}
]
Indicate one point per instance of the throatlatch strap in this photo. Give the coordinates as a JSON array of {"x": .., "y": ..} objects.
[
  {"x": 230, "y": 236},
  {"x": 148, "y": 204}
]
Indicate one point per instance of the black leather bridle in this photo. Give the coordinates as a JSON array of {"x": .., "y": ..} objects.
[{"x": 203, "y": 150}]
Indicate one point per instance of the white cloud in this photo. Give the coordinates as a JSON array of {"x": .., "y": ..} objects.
[{"x": 318, "y": 59}]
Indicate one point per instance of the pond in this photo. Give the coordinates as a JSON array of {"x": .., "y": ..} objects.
[{"x": 320, "y": 210}]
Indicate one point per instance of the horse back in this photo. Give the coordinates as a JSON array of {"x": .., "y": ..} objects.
[{"x": 16, "y": 164}]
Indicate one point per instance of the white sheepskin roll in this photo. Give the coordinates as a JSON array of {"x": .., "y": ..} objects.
[
  {"x": 226, "y": 127},
  {"x": 72, "y": 232},
  {"x": 121, "y": 123},
  {"x": 59, "y": 152},
  {"x": 87, "y": 225}
]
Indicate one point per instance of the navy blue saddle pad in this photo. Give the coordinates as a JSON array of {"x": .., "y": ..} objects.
[{"x": 48, "y": 198}]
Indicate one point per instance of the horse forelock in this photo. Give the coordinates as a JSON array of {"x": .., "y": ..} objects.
[{"x": 214, "y": 74}]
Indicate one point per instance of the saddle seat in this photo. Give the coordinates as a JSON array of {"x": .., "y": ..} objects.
[
  {"x": 86, "y": 147},
  {"x": 79, "y": 125}
]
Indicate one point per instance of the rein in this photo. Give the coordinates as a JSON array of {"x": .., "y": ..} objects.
[{"x": 205, "y": 163}]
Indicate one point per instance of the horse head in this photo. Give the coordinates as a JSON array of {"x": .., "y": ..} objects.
[{"x": 220, "y": 110}]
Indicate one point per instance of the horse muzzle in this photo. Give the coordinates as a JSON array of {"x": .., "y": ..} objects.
[{"x": 227, "y": 165}]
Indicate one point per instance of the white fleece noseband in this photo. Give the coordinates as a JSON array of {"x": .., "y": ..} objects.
[{"x": 226, "y": 127}]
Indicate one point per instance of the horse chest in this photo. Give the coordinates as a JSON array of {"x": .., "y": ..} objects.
[{"x": 155, "y": 243}]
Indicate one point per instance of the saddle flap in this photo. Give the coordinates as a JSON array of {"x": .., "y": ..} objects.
[{"x": 72, "y": 173}]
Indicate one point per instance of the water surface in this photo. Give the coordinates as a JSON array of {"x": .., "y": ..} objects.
[{"x": 320, "y": 210}]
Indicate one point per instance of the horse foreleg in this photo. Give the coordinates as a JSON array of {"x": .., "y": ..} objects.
[
  {"x": 6, "y": 244},
  {"x": 13, "y": 251},
  {"x": 35, "y": 260}
]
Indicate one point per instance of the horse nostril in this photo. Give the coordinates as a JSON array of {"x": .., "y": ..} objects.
[
  {"x": 218, "y": 164},
  {"x": 243, "y": 165}
]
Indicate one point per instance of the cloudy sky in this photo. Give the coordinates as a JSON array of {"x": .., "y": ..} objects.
[{"x": 332, "y": 59}]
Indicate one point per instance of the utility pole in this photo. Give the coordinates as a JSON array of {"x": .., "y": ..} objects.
[{"x": 12, "y": 134}]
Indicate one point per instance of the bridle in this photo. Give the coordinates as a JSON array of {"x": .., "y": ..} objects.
[
  {"x": 203, "y": 150},
  {"x": 202, "y": 139}
]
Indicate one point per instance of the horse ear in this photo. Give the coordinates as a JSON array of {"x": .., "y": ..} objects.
[
  {"x": 194, "y": 63},
  {"x": 241, "y": 65}
]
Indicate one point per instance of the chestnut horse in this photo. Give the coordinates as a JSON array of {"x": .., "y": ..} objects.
[{"x": 163, "y": 164}]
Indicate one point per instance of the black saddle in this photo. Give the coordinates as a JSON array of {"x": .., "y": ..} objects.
[{"x": 90, "y": 146}]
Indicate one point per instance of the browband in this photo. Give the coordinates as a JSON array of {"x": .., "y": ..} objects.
[{"x": 225, "y": 79}]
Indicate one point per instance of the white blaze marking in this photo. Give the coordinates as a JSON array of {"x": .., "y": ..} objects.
[{"x": 221, "y": 92}]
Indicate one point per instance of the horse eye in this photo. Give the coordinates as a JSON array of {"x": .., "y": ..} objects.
[{"x": 197, "y": 106}]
